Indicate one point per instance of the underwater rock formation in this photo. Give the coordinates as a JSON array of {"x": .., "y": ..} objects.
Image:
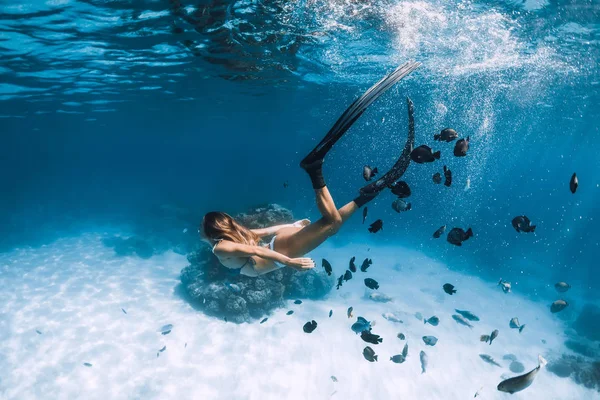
[
  {"x": 582, "y": 370},
  {"x": 214, "y": 290},
  {"x": 588, "y": 322}
]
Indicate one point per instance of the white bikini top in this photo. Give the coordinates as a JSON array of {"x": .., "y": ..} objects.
[{"x": 215, "y": 245}]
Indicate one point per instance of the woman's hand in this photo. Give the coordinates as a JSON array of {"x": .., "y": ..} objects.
[
  {"x": 302, "y": 223},
  {"x": 301, "y": 264}
]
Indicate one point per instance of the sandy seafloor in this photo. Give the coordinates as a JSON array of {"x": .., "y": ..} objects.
[{"x": 73, "y": 290}]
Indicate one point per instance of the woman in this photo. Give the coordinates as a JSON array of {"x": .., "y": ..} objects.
[{"x": 239, "y": 249}]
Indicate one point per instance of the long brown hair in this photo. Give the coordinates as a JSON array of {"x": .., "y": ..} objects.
[{"x": 218, "y": 225}]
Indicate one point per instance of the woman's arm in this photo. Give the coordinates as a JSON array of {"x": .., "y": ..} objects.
[{"x": 272, "y": 230}]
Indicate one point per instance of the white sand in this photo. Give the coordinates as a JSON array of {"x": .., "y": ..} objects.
[{"x": 73, "y": 291}]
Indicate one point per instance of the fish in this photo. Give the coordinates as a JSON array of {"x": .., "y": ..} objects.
[
  {"x": 437, "y": 178},
  {"x": 310, "y": 326},
  {"x": 446, "y": 135},
  {"x": 185, "y": 230},
  {"x": 449, "y": 288},
  {"x": 340, "y": 282},
  {"x": 163, "y": 349},
  {"x": 264, "y": 320},
  {"x": 352, "y": 266},
  {"x": 401, "y": 336},
  {"x": 574, "y": 183},
  {"x": 439, "y": 232},
  {"x": 330, "y": 313},
  {"x": 333, "y": 378},
  {"x": 297, "y": 301},
  {"x": 447, "y": 176},
  {"x": 484, "y": 338},
  {"x": 233, "y": 287},
  {"x": 365, "y": 211},
  {"x": 424, "y": 154},
  {"x": 505, "y": 285},
  {"x": 285, "y": 184},
  {"x": 514, "y": 323},
  {"x": 477, "y": 393},
  {"x": 398, "y": 359},
  {"x": 369, "y": 337},
  {"x": 124, "y": 312},
  {"x": 494, "y": 335},
  {"x": 467, "y": 184},
  {"x": 489, "y": 360},
  {"x": 366, "y": 264},
  {"x": 38, "y": 332},
  {"x": 165, "y": 332},
  {"x": 165, "y": 328},
  {"x": 521, "y": 382},
  {"x": 349, "y": 312},
  {"x": 376, "y": 226},
  {"x": 327, "y": 266},
  {"x": 392, "y": 317},
  {"x": 347, "y": 275},
  {"x": 371, "y": 283},
  {"x": 424, "y": 361},
  {"x": 87, "y": 364},
  {"x": 522, "y": 224},
  {"x": 558, "y": 305},
  {"x": 562, "y": 287},
  {"x": 405, "y": 350},
  {"x": 369, "y": 173},
  {"x": 432, "y": 321},
  {"x": 289, "y": 312},
  {"x": 468, "y": 315},
  {"x": 360, "y": 325},
  {"x": 400, "y": 205},
  {"x": 430, "y": 340},
  {"x": 380, "y": 297},
  {"x": 457, "y": 236},
  {"x": 185, "y": 347},
  {"x": 460, "y": 320},
  {"x": 419, "y": 316},
  {"x": 400, "y": 189},
  {"x": 369, "y": 354},
  {"x": 461, "y": 147}
]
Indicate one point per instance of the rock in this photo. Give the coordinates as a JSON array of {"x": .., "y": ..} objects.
[
  {"x": 208, "y": 284},
  {"x": 583, "y": 371},
  {"x": 587, "y": 323}
]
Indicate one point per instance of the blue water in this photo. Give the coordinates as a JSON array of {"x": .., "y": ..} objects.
[{"x": 111, "y": 108}]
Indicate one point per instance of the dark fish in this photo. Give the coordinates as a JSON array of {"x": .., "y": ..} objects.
[
  {"x": 371, "y": 283},
  {"x": 165, "y": 328},
  {"x": 437, "y": 178},
  {"x": 360, "y": 325},
  {"x": 400, "y": 205},
  {"x": 432, "y": 321},
  {"x": 484, "y": 338},
  {"x": 558, "y": 305},
  {"x": 461, "y": 320},
  {"x": 401, "y": 336},
  {"x": 285, "y": 184},
  {"x": 439, "y": 232},
  {"x": 370, "y": 337},
  {"x": 333, "y": 378},
  {"x": 330, "y": 313},
  {"x": 522, "y": 224},
  {"x": 327, "y": 267},
  {"x": 447, "y": 176},
  {"x": 514, "y": 324},
  {"x": 518, "y": 383},
  {"x": 468, "y": 315},
  {"x": 310, "y": 326},
  {"x": 365, "y": 211},
  {"x": 349, "y": 312},
  {"x": 369, "y": 354},
  {"x": 366, "y": 264},
  {"x": 398, "y": 359},
  {"x": 165, "y": 332},
  {"x": 87, "y": 364},
  {"x": 124, "y": 312},
  {"x": 562, "y": 287},
  {"x": 449, "y": 288},
  {"x": 340, "y": 282},
  {"x": 446, "y": 135},
  {"x": 347, "y": 275},
  {"x": 400, "y": 189},
  {"x": 369, "y": 173},
  {"x": 493, "y": 336},
  {"x": 574, "y": 183},
  {"x": 424, "y": 361},
  {"x": 405, "y": 350},
  {"x": 457, "y": 235},
  {"x": 376, "y": 226},
  {"x": 461, "y": 147},
  {"x": 424, "y": 154},
  {"x": 352, "y": 266},
  {"x": 163, "y": 349},
  {"x": 264, "y": 320},
  {"x": 489, "y": 360},
  {"x": 38, "y": 332},
  {"x": 297, "y": 301},
  {"x": 430, "y": 340},
  {"x": 289, "y": 312}
]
